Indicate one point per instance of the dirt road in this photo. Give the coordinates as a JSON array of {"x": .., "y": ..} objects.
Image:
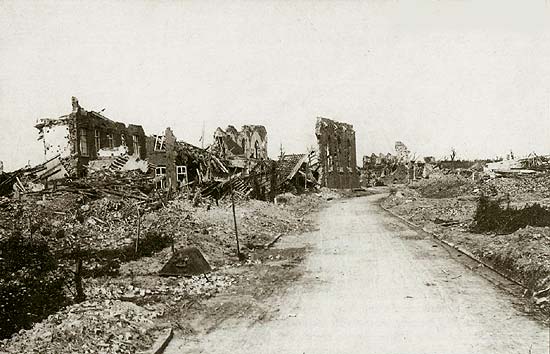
[{"x": 373, "y": 285}]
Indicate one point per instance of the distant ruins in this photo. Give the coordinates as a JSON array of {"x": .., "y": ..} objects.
[
  {"x": 381, "y": 169},
  {"x": 402, "y": 152},
  {"x": 250, "y": 142},
  {"x": 337, "y": 160}
]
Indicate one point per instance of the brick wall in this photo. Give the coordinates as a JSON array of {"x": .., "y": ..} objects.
[{"x": 337, "y": 155}]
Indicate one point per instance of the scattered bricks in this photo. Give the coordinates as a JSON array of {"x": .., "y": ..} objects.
[{"x": 89, "y": 327}]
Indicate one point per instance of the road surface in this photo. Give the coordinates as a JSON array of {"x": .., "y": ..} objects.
[{"x": 373, "y": 285}]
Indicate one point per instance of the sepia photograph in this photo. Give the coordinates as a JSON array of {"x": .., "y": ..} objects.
[{"x": 274, "y": 176}]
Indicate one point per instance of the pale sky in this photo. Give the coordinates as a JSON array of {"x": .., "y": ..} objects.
[{"x": 473, "y": 75}]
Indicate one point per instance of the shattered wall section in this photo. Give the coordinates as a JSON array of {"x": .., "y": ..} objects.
[
  {"x": 179, "y": 163},
  {"x": 337, "y": 159},
  {"x": 56, "y": 135},
  {"x": 96, "y": 132},
  {"x": 171, "y": 155},
  {"x": 81, "y": 135},
  {"x": 225, "y": 144},
  {"x": 254, "y": 141},
  {"x": 55, "y": 168},
  {"x": 250, "y": 142},
  {"x": 402, "y": 152}
]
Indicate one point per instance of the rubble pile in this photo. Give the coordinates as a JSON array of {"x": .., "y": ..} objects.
[
  {"x": 400, "y": 196},
  {"x": 87, "y": 210},
  {"x": 295, "y": 172},
  {"x": 109, "y": 201},
  {"x": 258, "y": 223},
  {"x": 155, "y": 289},
  {"x": 518, "y": 188},
  {"x": 208, "y": 227},
  {"x": 445, "y": 211},
  {"x": 109, "y": 326},
  {"x": 527, "y": 251},
  {"x": 445, "y": 186},
  {"x": 68, "y": 220},
  {"x": 130, "y": 184},
  {"x": 223, "y": 189}
]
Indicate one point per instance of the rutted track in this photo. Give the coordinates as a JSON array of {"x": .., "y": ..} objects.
[{"x": 512, "y": 285}]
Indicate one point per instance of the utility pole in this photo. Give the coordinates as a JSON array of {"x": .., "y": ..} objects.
[
  {"x": 234, "y": 217},
  {"x": 80, "y": 295}
]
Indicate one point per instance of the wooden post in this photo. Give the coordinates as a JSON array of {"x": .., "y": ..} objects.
[
  {"x": 234, "y": 217},
  {"x": 305, "y": 176},
  {"x": 80, "y": 295}
]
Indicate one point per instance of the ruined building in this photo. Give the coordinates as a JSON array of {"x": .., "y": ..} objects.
[
  {"x": 177, "y": 163},
  {"x": 402, "y": 152},
  {"x": 249, "y": 143},
  {"x": 338, "y": 167},
  {"x": 384, "y": 169},
  {"x": 82, "y": 136}
]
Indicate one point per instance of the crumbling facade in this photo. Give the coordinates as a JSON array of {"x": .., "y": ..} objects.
[
  {"x": 402, "y": 152},
  {"x": 337, "y": 159},
  {"x": 83, "y": 136},
  {"x": 177, "y": 164},
  {"x": 249, "y": 143}
]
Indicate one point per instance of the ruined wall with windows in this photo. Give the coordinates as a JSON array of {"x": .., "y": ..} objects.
[
  {"x": 250, "y": 142},
  {"x": 82, "y": 136},
  {"x": 336, "y": 143},
  {"x": 175, "y": 163}
]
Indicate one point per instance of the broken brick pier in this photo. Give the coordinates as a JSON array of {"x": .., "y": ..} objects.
[{"x": 337, "y": 159}]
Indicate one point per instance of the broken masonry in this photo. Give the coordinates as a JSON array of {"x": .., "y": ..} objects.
[
  {"x": 337, "y": 159},
  {"x": 83, "y": 136}
]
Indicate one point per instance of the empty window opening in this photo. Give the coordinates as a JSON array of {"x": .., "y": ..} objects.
[
  {"x": 160, "y": 176},
  {"x": 160, "y": 143},
  {"x": 135, "y": 141},
  {"x": 110, "y": 143},
  {"x": 83, "y": 142},
  {"x": 97, "y": 140},
  {"x": 181, "y": 173}
]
